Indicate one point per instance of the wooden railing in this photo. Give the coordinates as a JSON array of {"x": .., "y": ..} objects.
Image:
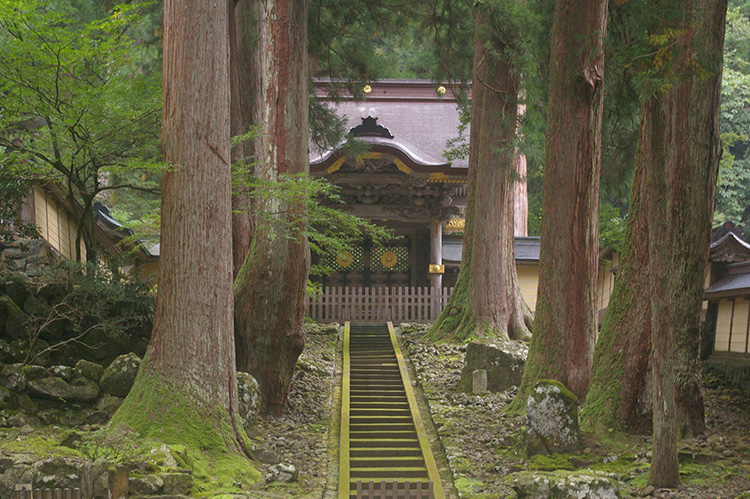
[
  {"x": 396, "y": 304},
  {"x": 394, "y": 490},
  {"x": 27, "y": 493}
]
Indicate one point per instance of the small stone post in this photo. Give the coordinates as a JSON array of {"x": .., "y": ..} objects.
[{"x": 479, "y": 381}]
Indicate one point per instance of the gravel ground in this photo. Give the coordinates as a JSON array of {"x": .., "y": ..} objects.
[
  {"x": 484, "y": 445},
  {"x": 301, "y": 435}
]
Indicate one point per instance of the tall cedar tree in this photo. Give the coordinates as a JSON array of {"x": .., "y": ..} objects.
[
  {"x": 688, "y": 103},
  {"x": 565, "y": 322},
  {"x": 245, "y": 32},
  {"x": 186, "y": 388},
  {"x": 487, "y": 298},
  {"x": 270, "y": 288}
]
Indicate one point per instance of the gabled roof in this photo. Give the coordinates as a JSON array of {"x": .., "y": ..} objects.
[
  {"x": 736, "y": 282},
  {"x": 526, "y": 250},
  {"x": 115, "y": 232},
  {"x": 729, "y": 248},
  {"x": 420, "y": 120}
]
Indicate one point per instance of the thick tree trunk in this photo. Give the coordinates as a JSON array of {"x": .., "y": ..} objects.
[
  {"x": 664, "y": 470},
  {"x": 620, "y": 374},
  {"x": 565, "y": 323},
  {"x": 245, "y": 32},
  {"x": 622, "y": 359},
  {"x": 692, "y": 182},
  {"x": 186, "y": 389},
  {"x": 270, "y": 288},
  {"x": 487, "y": 298}
]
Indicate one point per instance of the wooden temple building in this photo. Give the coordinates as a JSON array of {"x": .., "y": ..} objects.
[{"x": 405, "y": 182}]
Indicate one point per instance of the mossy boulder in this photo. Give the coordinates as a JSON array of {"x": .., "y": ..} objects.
[
  {"x": 552, "y": 420},
  {"x": 34, "y": 352},
  {"x": 109, "y": 404},
  {"x": 64, "y": 372},
  {"x": 118, "y": 378},
  {"x": 13, "y": 320},
  {"x": 145, "y": 485},
  {"x": 89, "y": 370},
  {"x": 177, "y": 483},
  {"x": 56, "y": 472},
  {"x": 102, "y": 346},
  {"x": 17, "y": 290},
  {"x": 503, "y": 361},
  {"x": 565, "y": 485},
  {"x": 13, "y": 378},
  {"x": 54, "y": 388},
  {"x": 7, "y": 398},
  {"x": 250, "y": 397},
  {"x": 34, "y": 371}
]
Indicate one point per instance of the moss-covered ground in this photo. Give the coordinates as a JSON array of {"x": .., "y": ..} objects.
[
  {"x": 484, "y": 443},
  {"x": 299, "y": 437}
]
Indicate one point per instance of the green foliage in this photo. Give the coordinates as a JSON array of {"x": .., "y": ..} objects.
[
  {"x": 300, "y": 205},
  {"x": 78, "y": 107},
  {"x": 733, "y": 190},
  {"x": 116, "y": 445},
  {"x": 100, "y": 297},
  {"x": 12, "y": 193},
  {"x": 611, "y": 227}
]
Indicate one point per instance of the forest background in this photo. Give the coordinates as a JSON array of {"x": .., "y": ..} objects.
[{"x": 359, "y": 43}]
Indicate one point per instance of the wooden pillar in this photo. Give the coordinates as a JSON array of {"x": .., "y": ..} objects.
[{"x": 436, "y": 252}]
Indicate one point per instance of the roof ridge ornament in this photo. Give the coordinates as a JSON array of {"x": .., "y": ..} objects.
[{"x": 370, "y": 128}]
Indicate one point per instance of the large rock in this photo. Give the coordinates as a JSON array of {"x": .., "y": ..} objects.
[
  {"x": 56, "y": 472},
  {"x": 250, "y": 397},
  {"x": 118, "y": 378},
  {"x": 285, "y": 473},
  {"x": 54, "y": 388},
  {"x": 13, "y": 320},
  {"x": 565, "y": 485},
  {"x": 89, "y": 370},
  {"x": 13, "y": 378},
  {"x": 64, "y": 372},
  {"x": 146, "y": 485},
  {"x": 552, "y": 420},
  {"x": 177, "y": 483},
  {"x": 503, "y": 361}
]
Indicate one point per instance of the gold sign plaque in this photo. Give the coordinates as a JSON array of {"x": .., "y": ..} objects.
[{"x": 437, "y": 269}]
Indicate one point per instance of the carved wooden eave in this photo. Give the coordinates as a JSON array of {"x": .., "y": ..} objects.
[
  {"x": 730, "y": 248},
  {"x": 402, "y": 156}
]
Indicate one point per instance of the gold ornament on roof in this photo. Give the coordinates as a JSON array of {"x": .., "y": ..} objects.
[
  {"x": 344, "y": 258},
  {"x": 389, "y": 259},
  {"x": 367, "y": 89},
  {"x": 441, "y": 90}
]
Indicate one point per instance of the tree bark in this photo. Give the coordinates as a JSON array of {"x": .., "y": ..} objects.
[
  {"x": 692, "y": 147},
  {"x": 664, "y": 470},
  {"x": 245, "y": 32},
  {"x": 565, "y": 323},
  {"x": 692, "y": 177},
  {"x": 487, "y": 300},
  {"x": 186, "y": 389},
  {"x": 617, "y": 397},
  {"x": 270, "y": 288}
]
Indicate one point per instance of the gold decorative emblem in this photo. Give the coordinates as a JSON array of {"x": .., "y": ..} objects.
[
  {"x": 344, "y": 258},
  {"x": 367, "y": 89},
  {"x": 441, "y": 90},
  {"x": 437, "y": 269},
  {"x": 389, "y": 259}
]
